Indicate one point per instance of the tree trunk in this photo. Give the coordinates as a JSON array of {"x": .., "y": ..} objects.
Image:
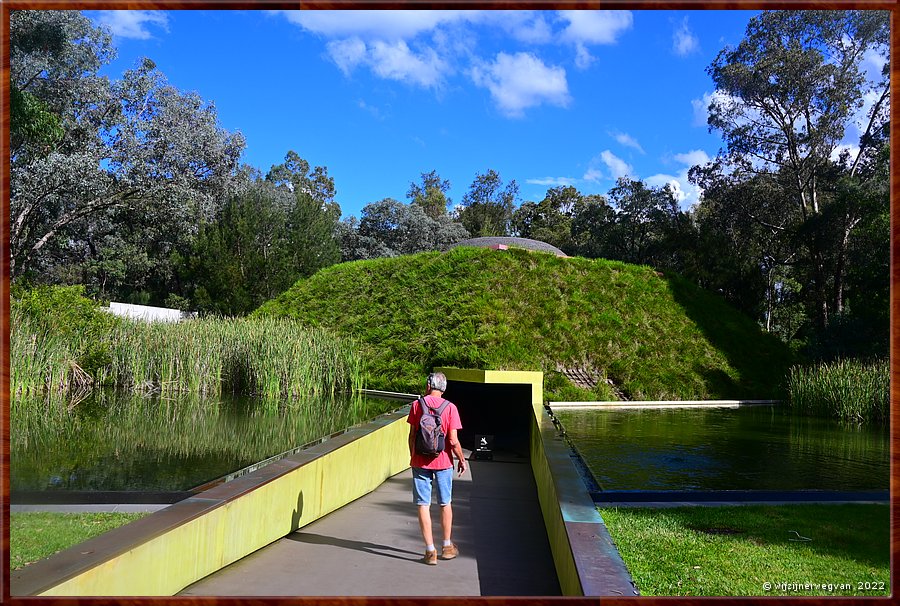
[
  {"x": 821, "y": 300},
  {"x": 841, "y": 264}
]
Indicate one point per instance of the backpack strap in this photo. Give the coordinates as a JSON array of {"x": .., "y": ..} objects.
[
  {"x": 441, "y": 408},
  {"x": 438, "y": 410}
]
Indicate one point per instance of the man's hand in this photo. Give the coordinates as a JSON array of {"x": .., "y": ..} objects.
[{"x": 461, "y": 468}]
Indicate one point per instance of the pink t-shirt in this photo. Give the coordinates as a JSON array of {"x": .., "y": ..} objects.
[{"x": 449, "y": 420}]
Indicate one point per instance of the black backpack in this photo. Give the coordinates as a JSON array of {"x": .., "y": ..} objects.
[{"x": 430, "y": 436}]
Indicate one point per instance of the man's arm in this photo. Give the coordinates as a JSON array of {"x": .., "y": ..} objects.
[
  {"x": 412, "y": 439},
  {"x": 457, "y": 450}
]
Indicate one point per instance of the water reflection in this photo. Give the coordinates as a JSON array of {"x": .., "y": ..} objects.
[
  {"x": 754, "y": 448},
  {"x": 127, "y": 442}
]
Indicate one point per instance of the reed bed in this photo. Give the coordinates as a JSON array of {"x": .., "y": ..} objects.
[
  {"x": 278, "y": 360},
  {"x": 41, "y": 361},
  {"x": 850, "y": 390},
  {"x": 266, "y": 357}
]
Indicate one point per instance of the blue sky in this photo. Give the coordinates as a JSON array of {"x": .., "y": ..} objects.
[{"x": 543, "y": 97}]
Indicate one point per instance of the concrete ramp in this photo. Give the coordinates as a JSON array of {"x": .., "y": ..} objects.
[{"x": 372, "y": 547}]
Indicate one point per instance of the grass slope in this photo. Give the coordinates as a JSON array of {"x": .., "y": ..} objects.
[{"x": 655, "y": 337}]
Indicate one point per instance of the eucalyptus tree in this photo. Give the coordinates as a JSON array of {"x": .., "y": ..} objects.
[
  {"x": 389, "y": 228},
  {"x": 488, "y": 205},
  {"x": 431, "y": 195},
  {"x": 645, "y": 223},
  {"x": 134, "y": 148},
  {"x": 746, "y": 247},
  {"x": 550, "y": 220},
  {"x": 783, "y": 101},
  {"x": 267, "y": 235},
  {"x": 296, "y": 175}
]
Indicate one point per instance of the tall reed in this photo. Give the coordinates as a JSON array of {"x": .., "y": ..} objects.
[
  {"x": 850, "y": 390},
  {"x": 277, "y": 359},
  {"x": 41, "y": 361}
]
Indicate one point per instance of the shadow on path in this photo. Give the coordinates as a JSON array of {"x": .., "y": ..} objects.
[
  {"x": 373, "y": 548},
  {"x": 510, "y": 542}
]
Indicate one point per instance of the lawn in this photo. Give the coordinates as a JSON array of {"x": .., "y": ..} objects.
[
  {"x": 37, "y": 535},
  {"x": 755, "y": 550}
]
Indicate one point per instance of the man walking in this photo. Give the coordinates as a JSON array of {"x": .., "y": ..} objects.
[{"x": 435, "y": 470}]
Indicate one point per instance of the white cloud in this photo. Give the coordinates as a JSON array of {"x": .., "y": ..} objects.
[
  {"x": 683, "y": 41},
  {"x": 525, "y": 26},
  {"x": 692, "y": 158},
  {"x": 373, "y": 24},
  {"x": 661, "y": 180},
  {"x": 554, "y": 181},
  {"x": 615, "y": 167},
  {"x": 397, "y": 62},
  {"x": 132, "y": 24},
  {"x": 628, "y": 141},
  {"x": 519, "y": 81},
  {"x": 376, "y": 113},
  {"x": 583, "y": 57},
  {"x": 685, "y": 192},
  {"x": 593, "y": 174},
  {"x": 595, "y": 27},
  {"x": 873, "y": 63},
  {"x": 347, "y": 54},
  {"x": 862, "y": 115},
  {"x": 701, "y": 109},
  {"x": 382, "y": 40},
  {"x": 701, "y": 105},
  {"x": 848, "y": 147},
  {"x": 394, "y": 61}
]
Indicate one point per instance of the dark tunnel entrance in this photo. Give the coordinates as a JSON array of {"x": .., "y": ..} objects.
[{"x": 501, "y": 410}]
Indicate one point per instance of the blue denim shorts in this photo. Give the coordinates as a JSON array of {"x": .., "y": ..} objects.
[{"x": 422, "y": 481}]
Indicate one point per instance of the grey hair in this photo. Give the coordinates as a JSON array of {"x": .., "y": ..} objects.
[{"x": 438, "y": 381}]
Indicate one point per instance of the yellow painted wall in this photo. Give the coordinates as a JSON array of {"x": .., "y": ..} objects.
[
  {"x": 563, "y": 559},
  {"x": 189, "y": 551}
]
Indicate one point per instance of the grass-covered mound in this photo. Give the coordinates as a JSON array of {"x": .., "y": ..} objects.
[{"x": 655, "y": 337}]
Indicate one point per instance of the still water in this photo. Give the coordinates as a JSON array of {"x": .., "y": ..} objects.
[
  {"x": 752, "y": 448},
  {"x": 111, "y": 442}
]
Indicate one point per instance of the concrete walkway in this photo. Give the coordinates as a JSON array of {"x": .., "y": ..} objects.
[{"x": 373, "y": 547}]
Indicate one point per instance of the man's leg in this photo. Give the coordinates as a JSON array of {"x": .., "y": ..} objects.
[
  {"x": 446, "y": 521},
  {"x": 425, "y": 524},
  {"x": 422, "y": 497},
  {"x": 444, "y": 481}
]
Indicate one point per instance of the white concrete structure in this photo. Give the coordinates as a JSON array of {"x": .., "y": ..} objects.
[
  {"x": 149, "y": 314},
  {"x": 617, "y": 405}
]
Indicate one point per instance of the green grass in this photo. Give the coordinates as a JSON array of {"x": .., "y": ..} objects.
[
  {"x": 850, "y": 390},
  {"x": 34, "y": 536},
  {"x": 735, "y": 551},
  {"x": 655, "y": 337}
]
